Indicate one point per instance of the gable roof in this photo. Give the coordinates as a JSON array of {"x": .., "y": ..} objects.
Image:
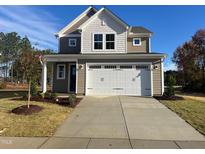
[
  {"x": 115, "y": 17},
  {"x": 139, "y": 29},
  {"x": 83, "y": 17}
]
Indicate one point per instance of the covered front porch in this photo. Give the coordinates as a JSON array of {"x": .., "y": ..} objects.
[{"x": 63, "y": 75}]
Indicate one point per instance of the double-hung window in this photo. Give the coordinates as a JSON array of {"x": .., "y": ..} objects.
[
  {"x": 104, "y": 41},
  {"x": 98, "y": 41},
  {"x": 61, "y": 71},
  {"x": 110, "y": 41}
]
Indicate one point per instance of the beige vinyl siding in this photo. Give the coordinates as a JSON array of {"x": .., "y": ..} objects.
[
  {"x": 143, "y": 48},
  {"x": 82, "y": 73},
  {"x": 157, "y": 80},
  {"x": 111, "y": 26},
  {"x": 81, "y": 77},
  {"x": 80, "y": 22}
]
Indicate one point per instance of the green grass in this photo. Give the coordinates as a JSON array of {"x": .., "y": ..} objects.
[
  {"x": 9, "y": 94},
  {"x": 192, "y": 111},
  {"x": 43, "y": 123}
]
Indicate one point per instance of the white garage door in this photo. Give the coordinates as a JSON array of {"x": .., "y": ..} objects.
[{"x": 118, "y": 79}]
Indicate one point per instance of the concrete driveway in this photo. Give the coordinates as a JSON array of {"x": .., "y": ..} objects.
[
  {"x": 116, "y": 122},
  {"x": 123, "y": 117}
]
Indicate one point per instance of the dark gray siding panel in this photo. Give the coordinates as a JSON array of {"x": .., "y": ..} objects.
[
  {"x": 62, "y": 84},
  {"x": 64, "y": 47}
]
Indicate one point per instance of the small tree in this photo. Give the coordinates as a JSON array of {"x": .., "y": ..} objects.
[
  {"x": 171, "y": 81},
  {"x": 30, "y": 65}
]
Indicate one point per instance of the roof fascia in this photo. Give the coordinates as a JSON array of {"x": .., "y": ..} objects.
[
  {"x": 75, "y": 21},
  {"x": 100, "y": 11}
]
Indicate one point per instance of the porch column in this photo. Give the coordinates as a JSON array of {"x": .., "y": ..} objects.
[{"x": 44, "y": 77}]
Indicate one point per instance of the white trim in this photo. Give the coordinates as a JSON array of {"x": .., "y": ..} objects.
[
  {"x": 151, "y": 71},
  {"x": 81, "y": 41},
  {"x": 72, "y": 39},
  {"x": 104, "y": 43},
  {"x": 100, "y": 11},
  {"x": 134, "y": 63},
  {"x": 44, "y": 77},
  {"x": 70, "y": 35},
  {"x": 75, "y": 20},
  {"x": 57, "y": 77},
  {"x": 136, "y": 38},
  {"x": 162, "y": 76},
  {"x": 149, "y": 44},
  {"x": 126, "y": 41}
]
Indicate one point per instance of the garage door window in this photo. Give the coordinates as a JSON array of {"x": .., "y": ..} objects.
[
  {"x": 110, "y": 66},
  {"x": 125, "y": 66},
  {"x": 141, "y": 67},
  {"x": 95, "y": 66}
]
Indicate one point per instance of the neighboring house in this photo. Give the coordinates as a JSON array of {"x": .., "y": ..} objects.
[
  {"x": 5, "y": 69},
  {"x": 100, "y": 54}
]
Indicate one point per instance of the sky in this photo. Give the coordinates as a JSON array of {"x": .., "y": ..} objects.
[{"x": 171, "y": 25}]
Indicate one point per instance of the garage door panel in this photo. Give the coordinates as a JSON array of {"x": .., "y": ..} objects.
[{"x": 117, "y": 80}]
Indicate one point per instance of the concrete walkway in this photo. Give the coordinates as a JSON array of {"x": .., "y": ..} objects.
[{"x": 117, "y": 122}]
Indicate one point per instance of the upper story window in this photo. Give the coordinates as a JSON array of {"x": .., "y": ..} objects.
[
  {"x": 72, "y": 42},
  {"x": 110, "y": 41},
  {"x": 104, "y": 42},
  {"x": 98, "y": 41},
  {"x": 136, "y": 42},
  {"x": 61, "y": 71}
]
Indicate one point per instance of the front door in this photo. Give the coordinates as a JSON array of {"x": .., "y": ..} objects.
[{"x": 72, "y": 78}]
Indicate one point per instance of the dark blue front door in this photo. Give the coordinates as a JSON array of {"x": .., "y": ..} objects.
[{"x": 72, "y": 78}]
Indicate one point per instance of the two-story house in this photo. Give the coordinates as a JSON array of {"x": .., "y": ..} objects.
[{"x": 100, "y": 54}]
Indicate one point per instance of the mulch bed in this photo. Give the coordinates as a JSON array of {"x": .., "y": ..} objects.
[
  {"x": 24, "y": 110},
  {"x": 61, "y": 101},
  {"x": 174, "y": 98}
]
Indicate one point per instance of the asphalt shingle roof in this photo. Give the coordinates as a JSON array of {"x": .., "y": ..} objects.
[{"x": 139, "y": 29}]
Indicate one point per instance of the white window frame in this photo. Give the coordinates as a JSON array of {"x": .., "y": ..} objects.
[
  {"x": 93, "y": 42},
  {"x": 69, "y": 42},
  {"x": 59, "y": 78},
  {"x": 110, "y": 41},
  {"x": 133, "y": 42},
  {"x": 104, "y": 42}
]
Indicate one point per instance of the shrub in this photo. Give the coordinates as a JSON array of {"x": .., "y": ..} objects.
[
  {"x": 2, "y": 85},
  {"x": 72, "y": 100},
  {"x": 47, "y": 95},
  {"x": 54, "y": 96},
  {"x": 34, "y": 88},
  {"x": 41, "y": 94},
  {"x": 169, "y": 91}
]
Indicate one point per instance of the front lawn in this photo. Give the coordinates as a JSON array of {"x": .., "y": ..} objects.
[
  {"x": 192, "y": 111},
  {"x": 43, "y": 123}
]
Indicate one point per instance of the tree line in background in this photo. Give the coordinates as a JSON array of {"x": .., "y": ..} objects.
[
  {"x": 190, "y": 61},
  {"x": 24, "y": 58}
]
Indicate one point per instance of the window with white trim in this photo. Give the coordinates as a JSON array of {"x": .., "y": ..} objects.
[
  {"x": 98, "y": 41},
  {"x": 72, "y": 42},
  {"x": 60, "y": 71},
  {"x": 110, "y": 41},
  {"x": 136, "y": 41},
  {"x": 103, "y": 41}
]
